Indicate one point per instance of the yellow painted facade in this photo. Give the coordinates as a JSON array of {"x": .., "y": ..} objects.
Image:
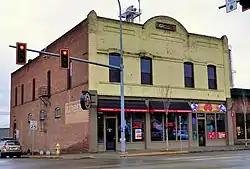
[{"x": 168, "y": 50}]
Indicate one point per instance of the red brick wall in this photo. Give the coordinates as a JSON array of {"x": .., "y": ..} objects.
[
  {"x": 68, "y": 135},
  {"x": 238, "y": 105}
]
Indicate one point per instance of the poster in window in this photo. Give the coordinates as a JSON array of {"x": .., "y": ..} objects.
[
  {"x": 221, "y": 135},
  {"x": 211, "y": 135},
  {"x": 138, "y": 134}
]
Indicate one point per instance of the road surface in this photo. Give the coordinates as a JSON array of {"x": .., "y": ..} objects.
[{"x": 213, "y": 160}]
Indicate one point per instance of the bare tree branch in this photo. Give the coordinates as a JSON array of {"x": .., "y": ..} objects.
[{"x": 244, "y": 108}]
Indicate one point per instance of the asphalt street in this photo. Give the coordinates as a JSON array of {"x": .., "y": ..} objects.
[{"x": 213, "y": 160}]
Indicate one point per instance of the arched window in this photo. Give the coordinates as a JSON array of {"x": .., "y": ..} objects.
[
  {"x": 114, "y": 74},
  {"x": 189, "y": 74},
  {"x": 212, "y": 77}
]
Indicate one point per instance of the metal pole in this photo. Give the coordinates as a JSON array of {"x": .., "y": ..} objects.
[
  {"x": 33, "y": 140},
  {"x": 123, "y": 139},
  {"x": 180, "y": 131}
]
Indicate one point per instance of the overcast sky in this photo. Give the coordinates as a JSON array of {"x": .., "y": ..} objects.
[{"x": 40, "y": 22}]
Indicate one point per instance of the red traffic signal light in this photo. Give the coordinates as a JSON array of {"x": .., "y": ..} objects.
[
  {"x": 64, "y": 58},
  {"x": 21, "y": 53}
]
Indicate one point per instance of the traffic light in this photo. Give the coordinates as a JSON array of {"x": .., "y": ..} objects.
[
  {"x": 21, "y": 53},
  {"x": 64, "y": 58},
  {"x": 245, "y": 5}
]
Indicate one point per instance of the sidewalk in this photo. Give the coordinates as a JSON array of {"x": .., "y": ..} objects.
[{"x": 136, "y": 153}]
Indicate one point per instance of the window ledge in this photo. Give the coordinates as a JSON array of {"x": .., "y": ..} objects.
[{"x": 138, "y": 142}]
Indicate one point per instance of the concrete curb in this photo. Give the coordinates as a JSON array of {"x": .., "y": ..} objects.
[
  {"x": 45, "y": 157},
  {"x": 61, "y": 157},
  {"x": 153, "y": 153},
  {"x": 180, "y": 152},
  {"x": 218, "y": 150}
]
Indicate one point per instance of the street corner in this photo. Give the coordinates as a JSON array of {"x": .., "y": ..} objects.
[
  {"x": 153, "y": 153},
  {"x": 44, "y": 157}
]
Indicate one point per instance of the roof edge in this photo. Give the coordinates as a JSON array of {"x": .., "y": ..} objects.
[{"x": 51, "y": 44}]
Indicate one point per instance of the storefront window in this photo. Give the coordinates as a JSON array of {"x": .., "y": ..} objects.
[
  {"x": 221, "y": 127},
  {"x": 248, "y": 126},
  {"x": 182, "y": 127},
  {"x": 171, "y": 126},
  {"x": 138, "y": 120},
  {"x": 240, "y": 126},
  {"x": 156, "y": 126},
  {"x": 127, "y": 127},
  {"x": 194, "y": 126},
  {"x": 100, "y": 127},
  {"x": 211, "y": 126},
  {"x": 221, "y": 123}
]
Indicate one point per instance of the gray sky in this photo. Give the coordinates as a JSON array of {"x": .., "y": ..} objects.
[{"x": 40, "y": 22}]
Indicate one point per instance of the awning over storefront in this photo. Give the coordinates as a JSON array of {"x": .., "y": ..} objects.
[
  {"x": 173, "y": 107},
  {"x": 114, "y": 105},
  {"x": 107, "y": 105}
]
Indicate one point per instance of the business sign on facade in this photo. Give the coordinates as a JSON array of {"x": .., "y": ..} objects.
[
  {"x": 207, "y": 107},
  {"x": 165, "y": 26},
  {"x": 74, "y": 113},
  {"x": 33, "y": 125},
  {"x": 85, "y": 100}
]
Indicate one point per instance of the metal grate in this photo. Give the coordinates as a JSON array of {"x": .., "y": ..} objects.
[{"x": 43, "y": 91}]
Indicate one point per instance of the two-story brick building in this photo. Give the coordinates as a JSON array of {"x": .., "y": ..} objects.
[{"x": 191, "y": 70}]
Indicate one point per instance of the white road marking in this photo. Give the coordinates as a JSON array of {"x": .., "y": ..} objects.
[
  {"x": 213, "y": 158},
  {"x": 185, "y": 158}
]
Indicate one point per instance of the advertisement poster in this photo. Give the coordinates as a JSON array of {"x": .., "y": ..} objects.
[
  {"x": 211, "y": 135},
  {"x": 138, "y": 134},
  {"x": 221, "y": 135}
]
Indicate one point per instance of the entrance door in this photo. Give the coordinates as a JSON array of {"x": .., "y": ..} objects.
[
  {"x": 201, "y": 132},
  {"x": 110, "y": 134}
]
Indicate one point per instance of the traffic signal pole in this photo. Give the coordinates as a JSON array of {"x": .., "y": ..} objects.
[{"x": 71, "y": 58}]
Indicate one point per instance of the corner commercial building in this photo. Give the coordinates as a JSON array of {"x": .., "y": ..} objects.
[{"x": 162, "y": 60}]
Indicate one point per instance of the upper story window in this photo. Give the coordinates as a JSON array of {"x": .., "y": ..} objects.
[
  {"x": 114, "y": 60},
  {"x": 33, "y": 89},
  {"x": 146, "y": 71},
  {"x": 49, "y": 82},
  {"x": 16, "y": 96},
  {"x": 189, "y": 74},
  {"x": 212, "y": 78},
  {"x": 22, "y": 94}
]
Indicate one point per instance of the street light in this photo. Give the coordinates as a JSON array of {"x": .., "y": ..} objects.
[{"x": 122, "y": 139}]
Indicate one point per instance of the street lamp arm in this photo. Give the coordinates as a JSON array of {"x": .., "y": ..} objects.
[{"x": 120, "y": 8}]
